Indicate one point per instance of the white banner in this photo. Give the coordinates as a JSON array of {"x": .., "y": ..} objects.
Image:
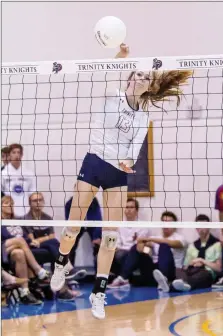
[
  {"x": 112, "y": 65},
  {"x": 138, "y": 224}
]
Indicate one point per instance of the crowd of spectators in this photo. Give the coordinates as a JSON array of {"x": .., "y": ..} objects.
[{"x": 165, "y": 260}]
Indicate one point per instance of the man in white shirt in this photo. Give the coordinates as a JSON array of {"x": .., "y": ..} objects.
[
  {"x": 156, "y": 257},
  {"x": 17, "y": 181}
]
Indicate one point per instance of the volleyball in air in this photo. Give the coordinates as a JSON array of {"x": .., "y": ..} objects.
[{"x": 110, "y": 32}]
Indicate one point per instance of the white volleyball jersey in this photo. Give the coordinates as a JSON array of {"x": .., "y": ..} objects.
[
  {"x": 19, "y": 184},
  {"x": 118, "y": 132}
]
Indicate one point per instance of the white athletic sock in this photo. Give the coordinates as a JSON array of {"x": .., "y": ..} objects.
[
  {"x": 24, "y": 291},
  {"x": 42, "y": 274},
  {"x": 102, "y": 276}
]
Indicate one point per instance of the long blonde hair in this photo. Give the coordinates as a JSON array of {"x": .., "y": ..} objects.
[{"x": 163, "y": 85}]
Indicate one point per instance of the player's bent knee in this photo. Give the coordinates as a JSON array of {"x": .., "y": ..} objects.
[
  {"x": 21, "y": 241},
  {"x": 109, "y": 240},
  {"x": 17, "y": 254},
  {"x": 70, "y": 234}
]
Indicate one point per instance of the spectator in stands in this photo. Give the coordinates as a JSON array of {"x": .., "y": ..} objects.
[
  {"x": 9, "y": 280},
  {"x": 36, "y": 204},
  {"x": 15, "y": 250},
  {"x": 219, "y": 202},
  {"x": 156, "y": 257},
  {"x": 93, "y": 214},
  {"x": 42, "y": 240},
  {"x": 17, "y": 181},
  {"x": 127, "y": 236},
  {"x": 202, "y": 261}
]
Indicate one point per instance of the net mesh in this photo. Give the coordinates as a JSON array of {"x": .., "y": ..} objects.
[{"x": 181, "y": 160}]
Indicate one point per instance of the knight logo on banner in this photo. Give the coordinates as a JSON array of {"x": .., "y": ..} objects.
[
  {"x": 57, "y": 67},
  {"x": 157, "y": 64}
]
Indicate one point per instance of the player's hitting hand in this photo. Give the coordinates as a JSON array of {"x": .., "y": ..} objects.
[
  {"x": 126, "y": 165},
  {"x": 124, "y": 51}
]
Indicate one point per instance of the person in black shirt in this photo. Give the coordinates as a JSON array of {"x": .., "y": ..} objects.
[{"x": 40, "y": 236}]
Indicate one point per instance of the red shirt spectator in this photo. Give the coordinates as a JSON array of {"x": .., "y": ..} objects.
[{"x": 219, "y": 202}]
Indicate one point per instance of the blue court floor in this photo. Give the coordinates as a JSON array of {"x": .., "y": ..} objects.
[{"x": 114, "y": 297}]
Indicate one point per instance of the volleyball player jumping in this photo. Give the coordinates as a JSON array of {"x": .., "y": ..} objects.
[{"x": 115, "y": 141}]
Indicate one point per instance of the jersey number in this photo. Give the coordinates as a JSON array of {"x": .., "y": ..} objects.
[{"x": 123, "y": 124}]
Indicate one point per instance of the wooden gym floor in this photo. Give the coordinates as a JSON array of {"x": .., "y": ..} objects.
[{"x": 137, "y": 312}]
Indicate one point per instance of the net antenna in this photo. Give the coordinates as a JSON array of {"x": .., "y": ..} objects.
[{"x": 47, "y": 107}]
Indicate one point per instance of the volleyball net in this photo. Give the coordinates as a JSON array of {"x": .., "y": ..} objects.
[{"x": 47, "y": 107}]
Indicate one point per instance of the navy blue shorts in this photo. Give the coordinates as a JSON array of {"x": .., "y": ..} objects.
[{"x": 100, "y": 173}]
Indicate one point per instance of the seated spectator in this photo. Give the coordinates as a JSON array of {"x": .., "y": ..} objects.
[
  {"x": 18, "y": 181},
  {"x": 202, "y": 261},
  {"x": 42, "y": 239},
  {"x": 156, "y": 257},
  {"x": 15, "y": 250},
  {"x": 11, "y": 281},
  {"x": 127, "y": 236},
  {"x": 93, "y": 214},
  {"x": 36, "y": 204},
  {"x": 219, "y": 202}
]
